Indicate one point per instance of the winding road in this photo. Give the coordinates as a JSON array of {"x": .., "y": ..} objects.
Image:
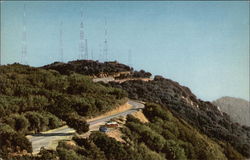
[{"x": 46, "y": 139}]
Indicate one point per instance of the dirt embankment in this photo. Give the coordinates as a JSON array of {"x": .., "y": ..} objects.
[
  {"x": 116, "y": 134},
  {"x": 139, "y": 115},
  {"x": 132, "y": 79},
  {"x": 118, "y": 109}
]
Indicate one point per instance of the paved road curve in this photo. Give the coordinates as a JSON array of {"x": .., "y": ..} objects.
[{"x": 45, "y": 139}]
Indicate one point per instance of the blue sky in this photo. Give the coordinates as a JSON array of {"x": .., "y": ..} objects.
[{"x": 202, "y": 45}]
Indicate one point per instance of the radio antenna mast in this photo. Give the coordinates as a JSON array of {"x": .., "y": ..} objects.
[
  {"x": 61, "y": 42},
  {"x": 24, "y": 38},
  {"x": 86, "y": 54},
  {"x": 105, "y": 47},
  {"x": 81, "y": 45}
]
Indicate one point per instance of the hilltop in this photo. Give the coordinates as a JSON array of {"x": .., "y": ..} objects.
[{"x": 97, "y": 69}]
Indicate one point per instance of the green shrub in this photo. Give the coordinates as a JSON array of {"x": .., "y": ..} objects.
[
  {"x": 112, "y": 148},
  {"x": 17, "y": 122},
  {"x": 173, "y": 150},
  {"x": 11, "y": 141},
  {"x": 65, "y": 154},
  {"x": 79, "y": 124}
]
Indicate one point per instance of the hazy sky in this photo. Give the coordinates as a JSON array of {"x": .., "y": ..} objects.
[{"x": 202, "y": 45}]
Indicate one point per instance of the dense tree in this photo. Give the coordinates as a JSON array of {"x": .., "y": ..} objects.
[
  {"x": 65, "y": 154},
  {"x": 17, "y": 122},
  {"x": 173, "y": 150},
  {"x": 79, "y": 124},
  {"x": 11, "y": 141},
  {"x": 112, "y": 148}
]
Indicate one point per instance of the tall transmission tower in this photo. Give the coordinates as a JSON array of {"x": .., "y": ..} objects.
[
  {"x": 61, "y": 42},
  {"x": 100, "y": 53},
  {"x": 92, "y": 54},
  {"x": 81, "y": 45},
  {"x": 105, "y": 47},
  {"x": 86, "y": 54},
  {"x": 24, "y": 39}
]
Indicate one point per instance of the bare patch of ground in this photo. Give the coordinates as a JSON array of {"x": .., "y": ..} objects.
[
  {"x": 140, "y": 116},
  {"x": 131, "y": 79},
  {"x": 116, "y": 134},
  {"x": 71, "y": 143}
]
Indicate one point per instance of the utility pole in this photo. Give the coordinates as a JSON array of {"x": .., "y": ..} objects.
[
  {"x": 61, "y": 42},
  {"x": 24, "y": 39}
]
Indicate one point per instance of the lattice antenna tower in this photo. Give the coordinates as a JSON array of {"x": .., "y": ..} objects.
[
  {"x": 61, "y": 51},
  {"x": 100, "y": 53},
  {"x": 24, "y": 38},
  {"x": 105, "y": 47},
  {"x": 81, "y": 45},
  {"x": 92, "y": 54},
  {"x": 86, "y": 54}
]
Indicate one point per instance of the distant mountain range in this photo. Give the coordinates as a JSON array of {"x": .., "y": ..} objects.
[{"x": 237, "y": 108}]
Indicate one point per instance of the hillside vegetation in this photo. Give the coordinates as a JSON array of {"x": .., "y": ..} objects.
[
  {"x": 164, "y": 137},
  {"x": 178, "y": 126},
  {"x": 183, "y": 103},
  {"x": 97, "y": 69},
  {"x": 34, "y": 100}
]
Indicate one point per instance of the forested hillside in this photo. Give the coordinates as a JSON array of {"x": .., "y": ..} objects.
[
  {"x": 34, "y": 100},
  {"x": 180, "y": 126},
  {"x": 182, "y": 102},
  {"x": 163, "y": 137}
]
